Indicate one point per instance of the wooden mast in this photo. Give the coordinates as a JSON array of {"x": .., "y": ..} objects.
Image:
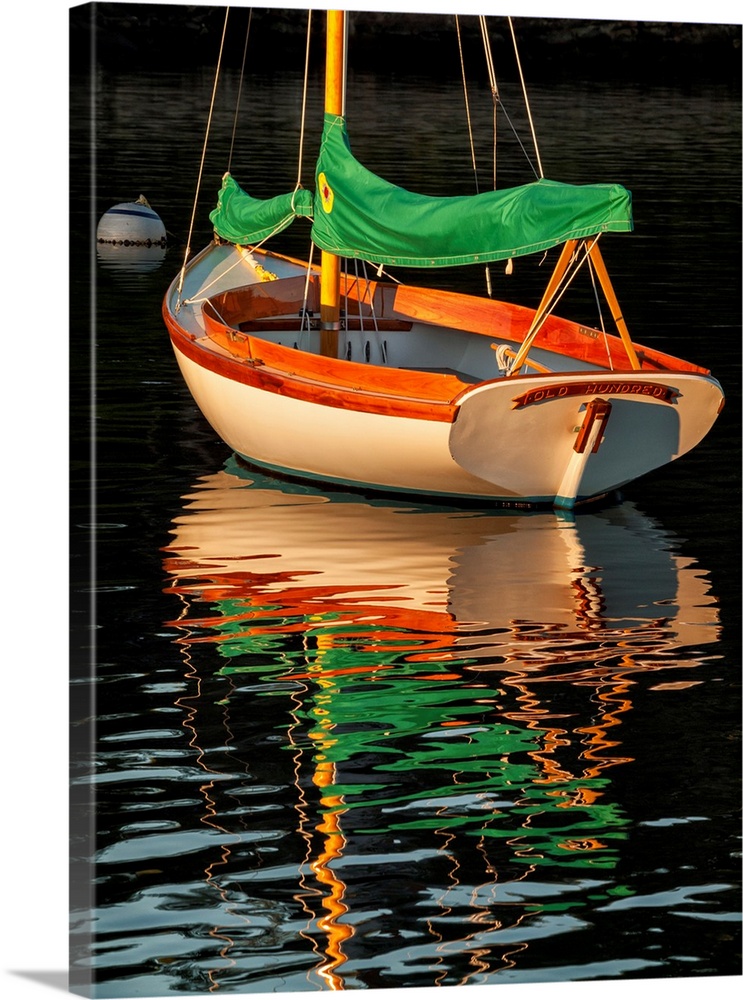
[{"x": 335, "y": 100}]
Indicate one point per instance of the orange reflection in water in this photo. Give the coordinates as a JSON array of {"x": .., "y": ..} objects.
[{"x": 532, "y": 604}]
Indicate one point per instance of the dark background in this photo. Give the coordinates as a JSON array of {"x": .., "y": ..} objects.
[{"x": 166, "y": 36}]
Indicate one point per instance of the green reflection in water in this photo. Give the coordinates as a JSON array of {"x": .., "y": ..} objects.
[{"x": 413, "y": 744}]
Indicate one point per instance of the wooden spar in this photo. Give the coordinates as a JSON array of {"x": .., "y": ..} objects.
[
  {"x": 542, "y": 312},
  {"x": 592, "y": 250},
  {"x": 335, "y": 86},
  {"x": 603, "y": 275}
]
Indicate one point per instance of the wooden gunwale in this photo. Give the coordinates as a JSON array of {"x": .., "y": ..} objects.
[
  {"x": 505, "y": 320},
  {"x": 324, "y": 390},
  {"x": 322, "y": 387},
  {"x": 329, "y": 382},
  {"x": 398, "y": 392},
  {"x": 259, "y": 306}
]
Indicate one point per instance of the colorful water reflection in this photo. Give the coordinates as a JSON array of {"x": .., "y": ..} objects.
[{"x": 448, "y": 710}]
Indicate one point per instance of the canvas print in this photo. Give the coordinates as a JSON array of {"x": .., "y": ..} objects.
[{"x": 405, "y": 399}]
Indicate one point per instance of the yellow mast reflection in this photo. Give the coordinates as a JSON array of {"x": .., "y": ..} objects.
[
  {"x": 329, "y": 827},
  {"x": 440, "y": 600},
  {"x": 332, "y": 840},
  {"x": 333, "y": 844}
]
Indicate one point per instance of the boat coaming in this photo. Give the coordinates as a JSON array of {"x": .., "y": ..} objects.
[{"x": 561, "y": 437}]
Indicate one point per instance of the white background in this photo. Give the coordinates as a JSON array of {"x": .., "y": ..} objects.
[{"x": 33, "y": 890}]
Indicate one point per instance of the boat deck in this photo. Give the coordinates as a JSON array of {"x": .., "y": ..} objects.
[{"x": 462, "y": 376}]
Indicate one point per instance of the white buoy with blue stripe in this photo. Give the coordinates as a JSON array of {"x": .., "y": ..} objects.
[{"x": 132, "y": 223}]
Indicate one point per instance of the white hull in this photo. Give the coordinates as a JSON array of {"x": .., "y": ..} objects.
[
  {"x": 507, "y": 440},
  {"x": 238, "y": 539},
  {"x": 319, "y": 442}
]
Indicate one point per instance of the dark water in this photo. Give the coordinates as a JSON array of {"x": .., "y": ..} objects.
[{"x": 324, "y": 742}]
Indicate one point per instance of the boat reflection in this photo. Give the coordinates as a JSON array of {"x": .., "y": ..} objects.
[
  {"x": 121, "y": 259},
  {"x": 452, "y": 685}
]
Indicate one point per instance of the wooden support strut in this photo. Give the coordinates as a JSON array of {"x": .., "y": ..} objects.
[
  {"x": 603, "y": 275},
  {"x": 543, "y": 310},
  {"x": 593, "y": 252}
]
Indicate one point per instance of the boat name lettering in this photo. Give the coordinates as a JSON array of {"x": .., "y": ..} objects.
[{"x": 559, "y": 391}]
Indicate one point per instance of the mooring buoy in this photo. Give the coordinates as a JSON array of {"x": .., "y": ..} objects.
[{"x": 131, "y": 223}]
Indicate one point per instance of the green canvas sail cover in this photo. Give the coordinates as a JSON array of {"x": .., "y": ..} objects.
[
  {"x": 357, "y": 214},
  {"x": 245, "y": 220}
]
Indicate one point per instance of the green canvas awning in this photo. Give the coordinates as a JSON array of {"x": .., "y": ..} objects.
[
  {"x": 245, "y": 220},
  {"x": 358, "y": 214}
]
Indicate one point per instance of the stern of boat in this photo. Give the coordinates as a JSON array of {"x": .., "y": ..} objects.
[{"x": 567, "y": 440}]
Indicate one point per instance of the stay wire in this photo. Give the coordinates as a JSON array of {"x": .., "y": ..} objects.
[
  {"x": 493, "y": 88},
  {"x": 304, "y": 102},
  {"x": 467, "y": 105},
  {"x": 203, "y": 158},
  {"x": 239, "y": 90},
  {"x": 526, "y": 98},
  {"x": 600, "y": 313},
  {"x": 496, "y": 101},
  {"x": 300, "y": 155}
]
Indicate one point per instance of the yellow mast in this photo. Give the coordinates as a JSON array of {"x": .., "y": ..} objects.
[{"x": 335, "y": 101}]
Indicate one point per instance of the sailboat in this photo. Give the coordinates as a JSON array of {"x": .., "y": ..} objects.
[{"x": 335, "y": 372}]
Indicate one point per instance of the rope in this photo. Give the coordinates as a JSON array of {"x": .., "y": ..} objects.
[
  {"x": 526, "y": 99},
  {"x": 239, "y": 91},
  {"x": 497, "y": 101},
  {"x": 488, "y": 281},
  {"x": 592, "y": 272},
  {"x": 541, "y": 317},
  {"x": 493, "y": 87},
  {"x": 304, "y": 106},
  {"x": 467, "y": 105},
  {"x": 307, "y": 277},
  {"x": 203, "y": 157},
  {"x": 371, "y": 298},
  {"x": 304, "y": 313},
  {"x": 244, "y": 255}
]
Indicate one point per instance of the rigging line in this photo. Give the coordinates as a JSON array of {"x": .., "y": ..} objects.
[
  {"x": 306, "y": 295},
  {"x": 203, "y": 157},
  {"x": 304, "y": 106},
  {"x": 592, "y": 272},
  {"x": 526, "y": 99},
  {"x": 567, "y": 279},
  {"x": 239, "y": 90},
  {"x": 496, "y": 102},
  {"x": 358, "y": 296},
  {"x": 368, "y": 289},
  {"x": 467, "y": 105},
  {"x": 493, "y": 87},
  {"x": 488, "y": 56},
  {"x": 542, "y": 315},
  {"x": 244, "y": 254},
  {"x": 518, "y": 139}
]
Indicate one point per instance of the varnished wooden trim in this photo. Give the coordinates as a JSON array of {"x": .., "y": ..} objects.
[
  {"x": 504, "y": 320},
  {"x": 390, "y": 392}
]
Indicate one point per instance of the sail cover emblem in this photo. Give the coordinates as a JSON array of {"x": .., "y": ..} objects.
[{"x": 326, "y": 193}]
